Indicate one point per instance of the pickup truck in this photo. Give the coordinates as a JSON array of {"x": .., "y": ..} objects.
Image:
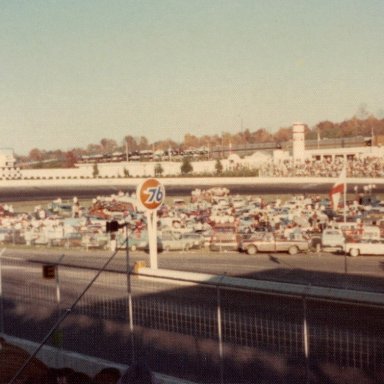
[
  {"x": 268, "y": 242},
  {"x": 332, "y": 239},
  {"x": 365, "y": 247}
]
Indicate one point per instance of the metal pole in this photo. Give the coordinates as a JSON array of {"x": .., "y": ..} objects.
[
  {"x": 345, "y": 189},
  {"x": 1, "y": 294},
  {"x": 58, "y": 294},
  {"x": 59, "y": 338},
  {"x": 345, "y": 263},
  {"x": 152, "y": 238},
  {"x": 129, "y": 291},
  {"x": 306, "y": 339},
  {"x": 220, "y": 331}
]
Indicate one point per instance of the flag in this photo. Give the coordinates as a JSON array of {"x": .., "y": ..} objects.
[{"x": 338, "y": 189}]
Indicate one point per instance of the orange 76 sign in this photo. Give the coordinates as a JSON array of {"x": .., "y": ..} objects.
[{"x": 151, "y": 194}]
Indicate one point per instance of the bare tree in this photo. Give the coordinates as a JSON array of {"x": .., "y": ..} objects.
[{"x": 108, "y": 145}]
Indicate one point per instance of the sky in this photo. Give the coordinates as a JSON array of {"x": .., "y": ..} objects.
[{"x": 73, "y": 72}]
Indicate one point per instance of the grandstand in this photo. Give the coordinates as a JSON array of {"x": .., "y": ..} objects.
[
  {"x": 8, "y": 169},
  {"x": 221, "y": 151}
]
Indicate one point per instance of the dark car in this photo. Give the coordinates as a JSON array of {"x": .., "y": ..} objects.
[
  {"x": 69, "y": 240},
  {"x": 268, "y": 242},
  {"x": 224, "y": 236},
  {"x": 4, "y": 234},
  {"x": 14, "y": 237}
]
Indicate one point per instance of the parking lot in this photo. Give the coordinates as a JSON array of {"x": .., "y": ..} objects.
[{"x": 204, "y": 222}]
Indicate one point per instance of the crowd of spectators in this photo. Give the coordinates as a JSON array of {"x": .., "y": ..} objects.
[{"x": 326, "y": 167}]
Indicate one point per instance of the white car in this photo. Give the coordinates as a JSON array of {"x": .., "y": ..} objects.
[
  {"x": 333, "y": 238},
  {"x": 175, "y": 241},
  {"x": 365, "y": 247}
]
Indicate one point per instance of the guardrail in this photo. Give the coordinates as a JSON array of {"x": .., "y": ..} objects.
[{"x": 206, "y": 329}]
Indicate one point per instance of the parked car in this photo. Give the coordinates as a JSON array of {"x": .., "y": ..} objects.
[
  {"x": 333, "y": 239},
  {"x": 160, "y": 247},
  {"x": 196, "y": 240},
  {"x": 136, "y": 240},
  {"x": 95, "y": 240},
  {"x": 365, "y": 247},
  {"x": 268, "y": 242},
  {"x": 14, "y": 237},
  {"x": 4, "y": 233},
  {"x": 371, "y": 232},
  {"x": 69, "y": 240},
  {"x": 63, "y": 209},
  {"x": 223, "y": 237},
  {"x": 40, "y": 239},
  {"x": 175, "y": 241}
]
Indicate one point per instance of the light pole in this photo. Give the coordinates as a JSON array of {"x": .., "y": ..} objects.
[
  {"x": 356, "y": 189},
  {"x": 126, "y": 150},
  {"x": 129, "y": 291},
  {"x": 371, "y": 188},
  {"x": 1, "y": 296}
]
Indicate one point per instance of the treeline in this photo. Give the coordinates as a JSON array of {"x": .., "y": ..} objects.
[{"x": 325, "y": 129}]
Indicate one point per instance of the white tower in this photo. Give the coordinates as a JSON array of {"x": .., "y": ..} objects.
[{"x": 298, "y": 149}]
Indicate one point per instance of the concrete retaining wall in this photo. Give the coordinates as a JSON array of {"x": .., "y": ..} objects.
[
  {"x": 269, "y": 287},
  {"x": 185, "y": 181},
  {"x": 55, "y": 358}
]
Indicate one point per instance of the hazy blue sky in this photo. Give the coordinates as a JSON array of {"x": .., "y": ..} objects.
[{"x": 74, "y": 72}]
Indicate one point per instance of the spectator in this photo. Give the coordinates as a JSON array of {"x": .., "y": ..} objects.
[
  {"x": 58, "y": 375},
  {"x": 107, "y": 376},
  {"x": 137, "y": 373},
  {"x": 78, "y": 378}
]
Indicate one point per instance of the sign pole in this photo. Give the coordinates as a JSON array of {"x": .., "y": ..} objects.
[
  {"x": 151, "y": 194},
  {"x": 1, "y": 294},
  {"x": 152, "y": 238}
]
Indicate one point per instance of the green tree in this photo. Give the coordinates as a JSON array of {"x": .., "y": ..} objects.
[
  {"x": 108, "y": 145},
  {"x": 218, "y": 167},
  {"x": 36, "y": 154},
  {"x": 130, "y": 144},
  {"x": 158, "y": 169},
  {"x": 186, "y": 166},
  {"x": 190, "y": 141},
  {"x": 96, "y": 171},
  {"x": 94, "y": 149},
  {"x": 143, "y": 143},
  {"x": 70, "y": 159}
]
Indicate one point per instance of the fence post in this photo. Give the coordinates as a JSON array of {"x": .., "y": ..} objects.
[
  {"x": 306, "y": 339},
  {"x": 220, "y": 330},
  {"x": 58, "y": 291},
  {"x": 129, "y": 291},
  {"x": 58, "y": 334},
  {"x": 1, "y": 294}
]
